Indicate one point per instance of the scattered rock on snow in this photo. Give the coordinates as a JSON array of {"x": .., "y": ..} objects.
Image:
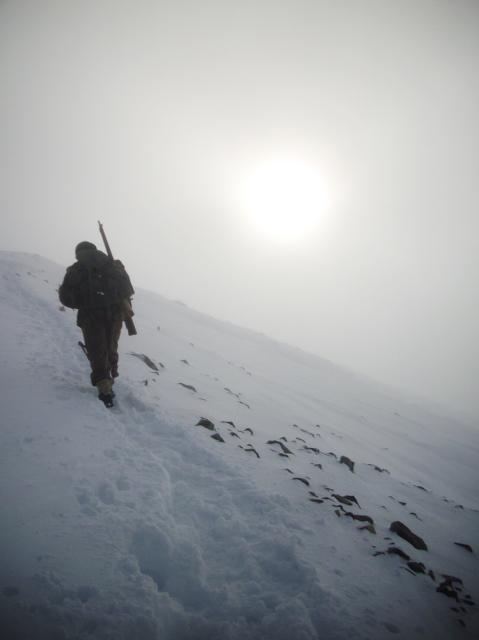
[
  {"x": 415, "y": 515},
  {"x": 418, "y": 486},
  {"x": 303, "y": 480},
  {"x": 368, "y": 527},
  {"x": 148, "y": 361},
  {"x": 348, "y": 462},
  {"x": 252, "y": 449},
  {"x": 464, "y": 546},
  {"x": 342, "y": 500},
  {"x": 313, "y": 449},
  {"x": 417, "y": 567},
  {"x": 359, "y": 518},
  {"x": 347, "y": 500},
  {"x": 396, "y": 551},
  {"x": 406, "y": 533},
  {"x": 217, "y": 436},
  {"x": 204, "y": 422},
  {"x": 187, "y": 386},
  {"x": 284, "y": 448}
]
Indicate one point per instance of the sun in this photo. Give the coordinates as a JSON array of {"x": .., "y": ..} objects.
[{"x": 285, "y": 199}]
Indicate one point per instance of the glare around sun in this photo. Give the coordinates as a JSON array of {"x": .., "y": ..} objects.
[{"x": 285, "y": 199}]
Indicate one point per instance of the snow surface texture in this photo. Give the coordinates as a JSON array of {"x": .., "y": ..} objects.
[{"x": 134, "y": 523}]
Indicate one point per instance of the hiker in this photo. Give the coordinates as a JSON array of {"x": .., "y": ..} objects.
[{"x": 100, "y": 289}]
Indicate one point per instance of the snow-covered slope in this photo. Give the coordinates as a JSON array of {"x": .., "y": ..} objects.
[{"x": 134, "y": 523}]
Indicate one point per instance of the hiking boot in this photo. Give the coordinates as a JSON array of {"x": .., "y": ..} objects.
[{"x": 104, "y": 387}]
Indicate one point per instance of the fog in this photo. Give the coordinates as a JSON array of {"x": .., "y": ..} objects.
[{"x": 150, "y": 116}]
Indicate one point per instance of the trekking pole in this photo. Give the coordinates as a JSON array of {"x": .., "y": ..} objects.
[{"x": 129, "y": 324}]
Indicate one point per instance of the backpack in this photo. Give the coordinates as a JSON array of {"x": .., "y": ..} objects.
[{"x": 102, "y": 282}]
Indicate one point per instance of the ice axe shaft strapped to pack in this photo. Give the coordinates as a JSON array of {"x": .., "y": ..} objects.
[{"x": 129, "y": 324}]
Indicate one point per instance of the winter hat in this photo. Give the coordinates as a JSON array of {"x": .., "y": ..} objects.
[{"x": 84, "y": 246}]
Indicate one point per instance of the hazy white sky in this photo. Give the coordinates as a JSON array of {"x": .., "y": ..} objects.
[{"x": 152, "y": 116}]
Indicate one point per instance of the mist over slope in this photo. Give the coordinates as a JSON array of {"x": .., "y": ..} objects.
[{"x": 137, "y": 523}]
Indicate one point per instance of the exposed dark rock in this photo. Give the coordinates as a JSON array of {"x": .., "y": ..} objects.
[
  {"x": 376, "y": 468},
  {"x": 313, "y": 449},
  {"x": 348, "y": 462},
  {"x": 308, "y": 432},
  {"x": 464, "y": 546},
  {"x": 247, "y": 429},
  {"x": 359, "y": 518},
  {"x": 431, "y": 574},
  {"x": 317, "y": 500},
  {"x": 253, "y": 450},
  {"x": 283, "y": 438},
  {"x": 406, "y": 533},
  {"x": 331, "y": 453},
  {"x": 448, "y": 590},
  {"x": 343, "y": 500},
  {"x": 300, "y": 439},
  {"x": 417, "y": 567},
  {"x": 352, "y": 499},
  {"x": 396, "y": 551},
  {"x": 185, "y": 362},
  {"x": 303, "y": 480},
  {"x": 288, "y": 470},
  {"x": 244, "y": 403},
  {"x": 187, "y": 386},
  {"x": 458, "y": 506},
  {"x": 229, "y": 422},
  {"x": 317, "y": 464},
  {"x": 451, "y": 579},
  {"x": 148, "y": 361},
  {"x": 204, "y": 422},
  {"x": 403, "y": 503},
  {"x": 415, "y": 515},
  {"x": 368, "y": 527},
  {"x": 283, "y": 455},
  {"x": 284, "y": 448},
  {"x": 418, "y": 486},
  {"x": 216, "y": 436},
  {"x": 232, "y": 433}
]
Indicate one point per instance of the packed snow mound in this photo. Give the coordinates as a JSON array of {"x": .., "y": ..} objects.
[{"x": 240, "y": 488}]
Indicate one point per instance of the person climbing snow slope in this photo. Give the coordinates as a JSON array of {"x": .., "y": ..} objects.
[{"x": 100, "y": 289}]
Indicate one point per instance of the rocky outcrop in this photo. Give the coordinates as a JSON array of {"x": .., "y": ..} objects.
[
  {"x": 207, "y": 424},
  {"x": 284, "y": 448},
  {"x": 348, "y": 462},
  {"x": 406, "y": 534}
]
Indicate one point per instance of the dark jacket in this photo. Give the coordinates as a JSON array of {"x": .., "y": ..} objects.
[{"x": 97, "y": 286}]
